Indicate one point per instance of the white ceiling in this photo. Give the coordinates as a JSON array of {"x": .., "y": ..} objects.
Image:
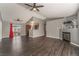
[
  {"x": 54, "y": 10},
  {"x": 12, "y": 11}
]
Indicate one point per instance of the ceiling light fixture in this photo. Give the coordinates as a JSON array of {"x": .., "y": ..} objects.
[{"x": 34, "y": 9}]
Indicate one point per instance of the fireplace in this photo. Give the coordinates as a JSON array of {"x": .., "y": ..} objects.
[{"x": 66, "y": 36}]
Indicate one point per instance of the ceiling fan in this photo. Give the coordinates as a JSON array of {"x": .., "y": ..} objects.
[
  {"x": 34, "y": 7},
  {"x": 18, "y": 20}
]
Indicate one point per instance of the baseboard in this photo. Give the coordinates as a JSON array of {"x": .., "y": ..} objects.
[
  {"x": 74, "y": 44},
  {"x": 54, "y": 37},
  {"x": 37, "y": 36},
  {"x": 3, "y": 37}
]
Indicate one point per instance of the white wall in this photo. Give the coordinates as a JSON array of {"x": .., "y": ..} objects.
[
  {"x": 0, "y": 29},
  {"x": 75, "y": 33},
  {"x": 40, "y": 31},
  {"x": 53, "y": 28},
  {"x": 23, "y": 29},
  {"x": 5, "y": 29},
  {"x": 75, "y": 36},
  {"x": 37, "y": 32}
]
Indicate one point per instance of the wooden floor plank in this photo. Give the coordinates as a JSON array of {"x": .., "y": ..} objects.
[{"x": 41, "y": 46}]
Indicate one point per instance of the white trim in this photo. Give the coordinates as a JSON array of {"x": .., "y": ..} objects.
[
  {"x": 37, "y": 36},
  {"x": 53, "y": 37},
  {"x": 5, "y": 36},
  {"x": 74, "y": 44}
]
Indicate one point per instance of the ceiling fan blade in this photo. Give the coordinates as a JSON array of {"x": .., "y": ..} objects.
[
  {"x": 31, "y": 9},
  {"x": 39, "y": 6},
  {"x": 28, "y": 5},
  {"x": 37, "y": 9}
]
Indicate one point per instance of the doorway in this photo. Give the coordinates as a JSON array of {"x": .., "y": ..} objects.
[
  {"x": 27, "y": 30},
  {"x": 17, "y": 29},
  {"x": 28, "y": 27}
]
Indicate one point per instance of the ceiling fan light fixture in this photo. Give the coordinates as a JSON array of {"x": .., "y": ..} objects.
[{"x": 34, "y": 9}]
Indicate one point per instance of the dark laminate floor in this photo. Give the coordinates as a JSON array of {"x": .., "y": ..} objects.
[{"x": 37, "y": 47}]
